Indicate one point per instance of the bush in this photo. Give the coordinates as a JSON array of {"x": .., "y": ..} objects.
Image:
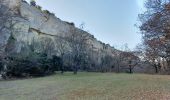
[
  {"x": 52, "y": 14},
  {"x": 32, "y": 3},
  {"x": 24, "y": 1},
  {"x": 34, "y": 65},
  {"x": 39, "y": 7},
  {"x": 46, "y": 11},
  {"x": 70, "y": 23}
]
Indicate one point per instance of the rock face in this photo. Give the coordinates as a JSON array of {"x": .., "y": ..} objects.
[
  {"x": 32, "y": 24},
  {"x": 12, "y": 4}
]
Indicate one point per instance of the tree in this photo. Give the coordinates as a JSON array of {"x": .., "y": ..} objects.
[
  {"x": 146, "y": 53},
  {"x": 125, "y": 60},
  {"x": 155, "y": 30},
  {"x": 62, "y": 50},
  {"x": 106, "y": 63},
  {"x": 118, "y": 60},
  {"x": 78, "y": 42},
  {"x": 131, "y": 60},
  {"x": 120, "y": 57},
  {"x": 47, "y": 46}
]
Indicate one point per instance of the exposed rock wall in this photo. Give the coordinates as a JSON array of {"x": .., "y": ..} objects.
[
  {"x": 12, "y": 4},
  {"x": 33, "y": 24}
]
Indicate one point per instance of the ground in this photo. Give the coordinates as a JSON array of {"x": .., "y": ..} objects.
[{"x": 88, "y": 86}]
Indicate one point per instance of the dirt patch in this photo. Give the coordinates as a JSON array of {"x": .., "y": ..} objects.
[{"x": 152, "y": 95}]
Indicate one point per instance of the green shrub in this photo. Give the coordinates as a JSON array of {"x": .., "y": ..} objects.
[
  {"x": 46, "y": 11},
  {"x": 70, "y": 23},
  {"x": 52, "y": 14},
  {"x": 35, "y": 65},
  {"x": 39, "y": 7},
  {"x": 32, "y": 3}
]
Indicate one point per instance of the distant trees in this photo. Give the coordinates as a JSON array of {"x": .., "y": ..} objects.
[
  {"x": 147, "y": 54},
  {"x": 106, "y": 63},
  {"x": 131, "y": 60},
  {"x": 125, "y": 60},
  {"x": 155, "y": 30},
  {"x": 118, "y": 60}
]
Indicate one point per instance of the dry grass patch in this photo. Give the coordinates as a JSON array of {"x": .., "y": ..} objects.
[{"x": 88, "y": 86}]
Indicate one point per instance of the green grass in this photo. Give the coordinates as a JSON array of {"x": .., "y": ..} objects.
[{"x": 88, "y": 86}]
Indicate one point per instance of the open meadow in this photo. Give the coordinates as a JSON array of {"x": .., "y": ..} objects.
[{"x": 88, "y": 86}]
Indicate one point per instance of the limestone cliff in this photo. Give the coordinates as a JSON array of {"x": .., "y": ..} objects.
[{"x": 33, "y": 24}]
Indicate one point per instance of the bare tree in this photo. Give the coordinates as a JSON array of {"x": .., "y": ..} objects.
[
  {"x": 62, "y": 49},
  {"x": 78, "y": 42},
  {"x": 118, "y": 60},
  {"x": 125, "y": 60},
  {"x": 155, "y": 30},
  {"x": 131, "y": 60},
  {"x": 119, "y": 57},
  {"x": 47, "y": 46},
  {"x": 107, "y": 63}
]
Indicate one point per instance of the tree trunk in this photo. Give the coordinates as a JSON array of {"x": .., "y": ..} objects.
[
  {"x": 168, "y": 65},
  {"x": 118, "y": 67},
  {"x": 75, "y": 70},
  {"x": 62, "y": 69},
  {"x": 130, "y": 69},
  {"x": 156, "y": 68}
]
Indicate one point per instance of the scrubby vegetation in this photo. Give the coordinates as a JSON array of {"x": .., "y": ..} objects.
[
  {"x": 34, "y": 65},
  {"x": 32, "y": 3}
]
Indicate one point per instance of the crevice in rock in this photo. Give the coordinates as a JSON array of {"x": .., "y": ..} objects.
[{"x": 41, "y": 33}]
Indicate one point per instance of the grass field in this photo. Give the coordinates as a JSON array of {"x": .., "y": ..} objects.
[{"x": 88, "y": 86}]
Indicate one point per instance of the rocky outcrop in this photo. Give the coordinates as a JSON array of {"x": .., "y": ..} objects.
[
  {"x": 31, "y": 23},
  {"x": 12, "y": 5}
]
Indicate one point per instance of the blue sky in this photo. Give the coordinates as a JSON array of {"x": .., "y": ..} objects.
[{"x": 110, "y": 21}]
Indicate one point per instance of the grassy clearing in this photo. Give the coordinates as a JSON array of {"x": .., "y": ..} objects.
[{"x": 88, "y": 86}]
